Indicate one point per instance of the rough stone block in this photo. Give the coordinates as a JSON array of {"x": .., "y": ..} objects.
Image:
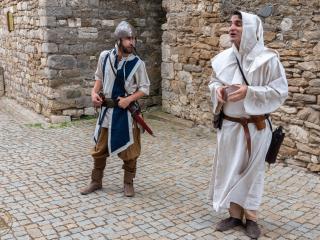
[
  {"x": 167, "y": 70},
  {"x": 88, "y": 33},
  {"x": 304, "y": 98},
  {"x": 62, "y": 62},
  {"x": 74, "y": 93},
  {"x": 50, "y": 73},
  {"x": 48, "y": 21},
  {"x": 308, "y": 149},
  {"x": 49, "y": 3},
  {"x": 313, "y": 90},
  {"x": 90, "y": 111},
  {"x": 59, "y": 119},
  {"x": 192, "y": 68},
  {"x": 312, "y": 35},
  {"x": 73, "y": 112},
  {"x": 286, "y": 24},
  {"x": 265, "y": 11},
  {"x": 309, "y": 66},
  {"x": 225, "y": 41},
  {"x": 76, "y": 48},
  {"x": 94, "y": 3},
  {"x": 108, "y": 23},
  {"x": 29, "y": 49},
  {"x": 169, "y": 37},
  {"x": 49, "y": 35},
  {"x": 313, "y": 167},
  {"x": 69, "y": 73},
  {"x": 49, "y": 48},
  {"x": 58, "y": 11},
  {"x": 166, "y": 52}
]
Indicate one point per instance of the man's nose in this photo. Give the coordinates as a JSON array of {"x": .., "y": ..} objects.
[{"x": 232, "y": 27}]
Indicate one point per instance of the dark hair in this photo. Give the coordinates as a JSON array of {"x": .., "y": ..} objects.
[{"x": 238, "y": 13}]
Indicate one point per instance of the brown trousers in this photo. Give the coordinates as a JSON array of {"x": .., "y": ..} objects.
[
  {"x": 237, "y": 211},
  {"x": 100, "y": 153}
]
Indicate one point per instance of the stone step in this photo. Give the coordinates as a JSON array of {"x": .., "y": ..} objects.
[{"x": 166, "y": 117}]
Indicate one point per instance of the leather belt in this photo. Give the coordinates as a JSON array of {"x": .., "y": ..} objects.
[
  {"x": 258, "y": 120},
  {"x": 109, "y": 103}
]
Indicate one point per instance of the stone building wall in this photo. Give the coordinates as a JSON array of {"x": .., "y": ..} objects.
[
  {"x": 196, "y": 30},
  {"x": 20, "y": 51},
  {"x": 56, "y": 45},
  {"x": 1, "y": 82}
]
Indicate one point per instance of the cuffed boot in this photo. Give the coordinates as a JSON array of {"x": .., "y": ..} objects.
[
  {"x": 128, "y": 184},
  {"x": 96, "y": 177}
]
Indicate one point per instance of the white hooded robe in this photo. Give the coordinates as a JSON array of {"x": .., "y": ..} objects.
[{"x": 236, "y": 177}]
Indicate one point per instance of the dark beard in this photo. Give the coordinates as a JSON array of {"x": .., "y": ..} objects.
[{"x": 126, "y": 50}]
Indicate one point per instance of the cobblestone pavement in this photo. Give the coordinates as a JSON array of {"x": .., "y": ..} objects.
[{"x": 42, "y": 171}]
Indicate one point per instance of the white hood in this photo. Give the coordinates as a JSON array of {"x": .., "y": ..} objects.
[
  {"x": 252, "y": 35},
  {"x": 251, "y": 53}
]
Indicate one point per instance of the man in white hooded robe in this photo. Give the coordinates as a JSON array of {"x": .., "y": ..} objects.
[{"x": 238, "y": 175}]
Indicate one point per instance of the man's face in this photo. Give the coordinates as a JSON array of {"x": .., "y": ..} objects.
[
  {"x": 235, "y": 30},
  {"x": 128, "y": 43}
]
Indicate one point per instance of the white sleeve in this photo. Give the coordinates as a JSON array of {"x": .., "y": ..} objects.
[
  {"x": 99, "y": 74},
  {"x": 213, "y": 85},
  {"x": 266, "y": 99},
  {"x": 143, "y": 82}
]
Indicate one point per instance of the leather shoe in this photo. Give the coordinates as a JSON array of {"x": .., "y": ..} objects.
[
  {"x": 228, "y": 223},
  {"x": 252, "y": 229}
]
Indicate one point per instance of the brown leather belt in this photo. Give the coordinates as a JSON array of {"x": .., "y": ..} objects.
[
  {"x": 258, "y": 120},
  {"x": 109, "y": 103}
]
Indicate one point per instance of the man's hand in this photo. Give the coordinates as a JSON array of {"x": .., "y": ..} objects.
[
  {"x": 96, "y": 99},
  {"x": 124, "y": 102},
  {"x": 239, "y": 94},
  {"x": 219, "y": 92}
]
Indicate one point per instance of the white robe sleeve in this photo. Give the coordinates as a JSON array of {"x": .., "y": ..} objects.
[
  {"x": 272, "y": 94},
  {"x": 213, "y": 85},
  {"x": 143, "y": 82},
  {"x": 99, "y": 74}
]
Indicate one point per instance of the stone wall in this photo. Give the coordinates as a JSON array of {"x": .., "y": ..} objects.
[
  {"x": 1, "y": 82},
  {"x": 56, "y": 45},
  {"x": 20, "y": 51},
  {"x": 190, "y": 39},
  {"x": 196, "y": 30}
]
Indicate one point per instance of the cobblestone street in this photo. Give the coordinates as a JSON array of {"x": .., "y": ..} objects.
[{"x": 42, "y": 170}]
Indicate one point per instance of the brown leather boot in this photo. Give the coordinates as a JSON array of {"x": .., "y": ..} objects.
[
  {"x": 128, "y": 184},
  {"x": 93, "y": 186},
  {"x": 96, "y": 182}
]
